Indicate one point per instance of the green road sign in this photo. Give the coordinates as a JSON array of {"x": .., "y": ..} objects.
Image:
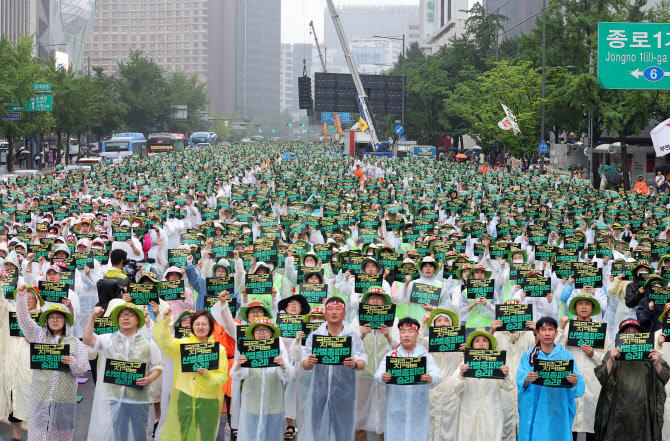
[
  {"x": 634, "y": 55},
  {"x": 42, "y": 87},
  {"x": 41, "y": 103}
]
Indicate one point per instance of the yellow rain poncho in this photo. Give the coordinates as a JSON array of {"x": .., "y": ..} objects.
[{"x": 196, "y": 400}]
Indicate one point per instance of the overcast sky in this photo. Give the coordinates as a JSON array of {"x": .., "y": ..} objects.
[{"x": 296, "y": 15}]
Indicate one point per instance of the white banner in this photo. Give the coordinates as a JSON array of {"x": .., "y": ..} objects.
[
  {"x": 660, "y": 136},
  {"x": 512, "y": 118},
  {"x": 505, "y": 124}
]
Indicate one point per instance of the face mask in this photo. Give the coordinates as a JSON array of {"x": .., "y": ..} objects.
[{"x": 517, "y": 260}]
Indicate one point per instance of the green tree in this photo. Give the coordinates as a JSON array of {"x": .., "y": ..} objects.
[
  {"x": 187, "y": 90},
  {"x": 626, "y": 112},
  {"x": 106, "y": 111},
  {"x": 222, "y": 126},
  {"x": 18, "y": 71},
  {"x": 571, "y": 28},
  {"x": 143, "y": 88},
  {"x": 478, "y": 101},
  {"x": 71, "y": 102}
]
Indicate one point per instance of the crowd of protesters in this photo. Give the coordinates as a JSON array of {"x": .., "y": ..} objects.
[{"x": 174, "y": 278}]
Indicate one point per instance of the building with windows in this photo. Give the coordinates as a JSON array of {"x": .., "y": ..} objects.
[
  {"x": 361, "y": 24},
  {"x": 257, "y": 57},
  {"x": 60, "y": 28},
  {"x": 286, "y": 77},
  {"x": 413, "y": 32},
  {"x": 18, "y": 17},
  {"x": 172, "y": 32},
  {"x": 441, "y": 20},
  {"x": 232, "y": 45}
]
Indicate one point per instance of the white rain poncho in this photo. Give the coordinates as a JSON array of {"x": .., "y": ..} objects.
[
  {"x": 329, "y": 406},
  {"x": 585, "y": 413},
  {"x": 515, "y": 343},
  {"x": 87, "y": 293},
  {"x": 408, "y": 406},
  {"x": 16, "y": 377},
  {"x": 542, "y": 307},
  {"x": 481, "y": 413},
  {"x": 415, "y": 310},
  {"x": 53, "y": 394},
  {"x": 262, "y": 406},
  {"x": 443, "y": 401},
  {"x": 121, "y": 413},
  {"x": 291, "y": 389},
  {"x": 370, "y": 395}
]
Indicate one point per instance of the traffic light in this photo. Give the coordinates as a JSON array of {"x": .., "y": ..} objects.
[
  {"x": 302, "y": 125},
  {"x": 273, "y": 130},
  {"x": 289, "y": 125}
]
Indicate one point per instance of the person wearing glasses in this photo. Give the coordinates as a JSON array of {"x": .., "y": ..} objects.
[{"x": 53, "y": 393}]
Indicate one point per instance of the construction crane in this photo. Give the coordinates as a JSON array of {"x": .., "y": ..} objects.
[
  {"x": 318, "y": 48},
  {"x": 336, "y": 117},
  {"x": 362, "y": 96}
]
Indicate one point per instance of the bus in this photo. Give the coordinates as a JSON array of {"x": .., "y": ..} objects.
[
  {"x": 256, "y": 138},
  {"x": 165, "y": 143},
  {"x": 204, "y": 138},
  {"x": 123, "y": 145}
]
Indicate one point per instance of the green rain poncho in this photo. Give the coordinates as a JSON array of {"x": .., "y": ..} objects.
[{"x": 631, "y": 401}]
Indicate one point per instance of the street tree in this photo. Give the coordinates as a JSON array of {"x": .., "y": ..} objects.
[{"x": 144, "y": 89}]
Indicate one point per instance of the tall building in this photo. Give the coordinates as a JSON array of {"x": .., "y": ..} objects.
[
  {"x": 295, "y": 59},
  {"x": 521, "y": 15},
  {"x": 286, "y": 77},
  {"x": 373, "y": 55},
  {"x": 221, "y": 55},
  {"x": 61, "y": 26},
  {"x": 232, "y": 45},
  {"x": 176, "y": 34},
  {"x": 413, "y": 32},
  {"x": 173, "y": 32},
  {"x": 257, "y": 57},
  {"x": 64, "y": 26},
  {"x": 440, "y": 21},
  {"x": 302, "y": 63},
  {"x": 363, "y": 23},
  {"x": 18, "y": 17}
]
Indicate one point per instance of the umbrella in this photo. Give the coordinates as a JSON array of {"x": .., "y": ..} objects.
[
  {"x": 614, "y": 177},
  {"x": 461, "y": 156}
]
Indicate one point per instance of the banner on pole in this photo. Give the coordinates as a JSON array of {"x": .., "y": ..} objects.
[{"x": 660, "y": 136}]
